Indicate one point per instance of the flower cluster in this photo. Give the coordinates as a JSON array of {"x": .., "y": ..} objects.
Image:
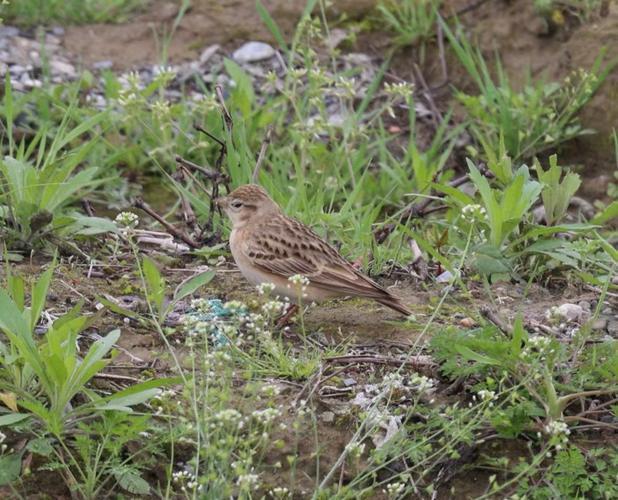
[
  {"x": 422, "y": 384},
  {"x": 266, "y": 416},
  {"x": 280, "y": 493},
  {"x": 558, "y": 433},
  {"x": 127, "y": 221},
  {"x": 473, "y": 213},
  {"x": 537, "y": 346},
  {"x": 393, "y": 490},
  {"x": 228, "y": 417},
  {"x": 186, "y": 480},
  {"x": 299, "y": 283},
  {"x": 249, "y": 481},
  {"x": 161, "y": 109},
  {"x": 163, "y": 75},
  {"x": 265, "y": 288},
  {"x": 403, "y": 90}
]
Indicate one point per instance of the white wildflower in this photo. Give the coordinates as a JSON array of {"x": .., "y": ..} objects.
[
  {"x": 354, "y": 449},
  {"x": 127, "y": 219},
  {"x": 249, "y": 481},
  {"x": 473, "y": 213},
  {"x": 402, "y": 89},
  {"x": 265, "y": 288},
  {"x": 395, "y": 489}
]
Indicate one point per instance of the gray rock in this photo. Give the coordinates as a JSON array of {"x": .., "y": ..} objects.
[
  {"x": 52, "y": 40},
  {"x": 612, "y": 328},
  {"x": 208, "y": 52},
  {"x": 357, "y": 59},
  {"x": 58, "y": 30},
  {"x": 254, "y": 70},
  {"x": 61, "y": 67},
  {"x": 335, "y": 37},
  {"x": 252, "y": 52},
  {"x": 348, "y": 382},
  {"x": 18, "y": 69},
  {"x": 569, "y": 312},
  {"x": 445, "y": 277},
  {"x": 8, "y": 31},
  {"x": 599, "y": 324},
  {"x": 328, "y": 417},
  {"x": 102, "y": 65}
]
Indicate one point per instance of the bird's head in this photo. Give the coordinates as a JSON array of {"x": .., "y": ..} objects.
[{"x": 247, "y": 203}]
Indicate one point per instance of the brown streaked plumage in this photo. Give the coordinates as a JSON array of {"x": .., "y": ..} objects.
[{"x": 269, "y": 247}]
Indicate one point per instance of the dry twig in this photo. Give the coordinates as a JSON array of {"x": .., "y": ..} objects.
[{"x": 170, "y": 228}]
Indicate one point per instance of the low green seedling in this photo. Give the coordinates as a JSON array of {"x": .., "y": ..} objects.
[{"x": 43, "y": 376}]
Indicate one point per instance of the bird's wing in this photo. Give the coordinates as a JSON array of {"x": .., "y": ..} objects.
[{"x": 285, "y": 247}]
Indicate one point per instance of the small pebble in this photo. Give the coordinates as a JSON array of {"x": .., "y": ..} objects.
[
  {"x": 102, "y": 65},
  {"x": 569, "y": 312},
  {"x": 599, "y": 324},
  {"x": 208, "y": 52},
  {"x": 348, "y": 382},
  {"x": 467, "y": 322},
  {"x": 62, "y": 67},
  {"x": 328, "y": 417},
  {"x": 252, "y": 52},
  {"x": 8, "y": 31}
]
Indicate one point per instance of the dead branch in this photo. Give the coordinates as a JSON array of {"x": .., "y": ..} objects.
[
  {"x": 418, "y": 363},
  {"x": 492, "y": 317},
  {"x": 209, "y": 173},
  {"x": 227, "y": 117},
  {"x": 436, "y": 116},
  {"x": 142, "y": 205},
  {"x": 258, "y": 163}
]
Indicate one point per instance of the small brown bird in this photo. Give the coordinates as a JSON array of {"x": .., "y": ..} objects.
[{"x": 270, "y": 247}]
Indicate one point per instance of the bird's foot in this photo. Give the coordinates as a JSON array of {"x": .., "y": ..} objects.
[{"x": 286, "y": 319}]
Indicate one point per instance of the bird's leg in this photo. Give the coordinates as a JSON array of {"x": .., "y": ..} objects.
[{"x": 287, "y": 316}]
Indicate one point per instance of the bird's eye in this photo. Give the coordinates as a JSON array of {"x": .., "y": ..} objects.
[{"x": 236, "y": 204}]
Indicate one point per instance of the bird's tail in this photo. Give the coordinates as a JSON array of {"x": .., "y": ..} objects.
[{"x": 395, "y": 304}]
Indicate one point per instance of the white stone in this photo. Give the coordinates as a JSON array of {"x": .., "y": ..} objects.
[
  {"x": 208, "y": 52},
  {"x": 252, "y": 52},
  {"x": 570, "y": 312},
  {"x": 62, "y": 67}
]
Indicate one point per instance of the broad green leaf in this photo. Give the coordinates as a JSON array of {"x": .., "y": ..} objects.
[
  {"x": 112, "y": 306},
  {"x": 469, "y": 355},
  {"x": 132, "y": 482},
  {"x": 11, "y": 319},
  {"x": 610, "y": 212},
  {"x": 12, "y": 418},
  {"x": 125, "y": 403},
  {"x": 154, "y": 282},
  {"x": 92, "y": 363},
  {"x": 126, "y": 396},
  {"x": 40, "y": 446},
  {"x": 193, "y": 283},
  {"x": 10, "y": 467}
]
